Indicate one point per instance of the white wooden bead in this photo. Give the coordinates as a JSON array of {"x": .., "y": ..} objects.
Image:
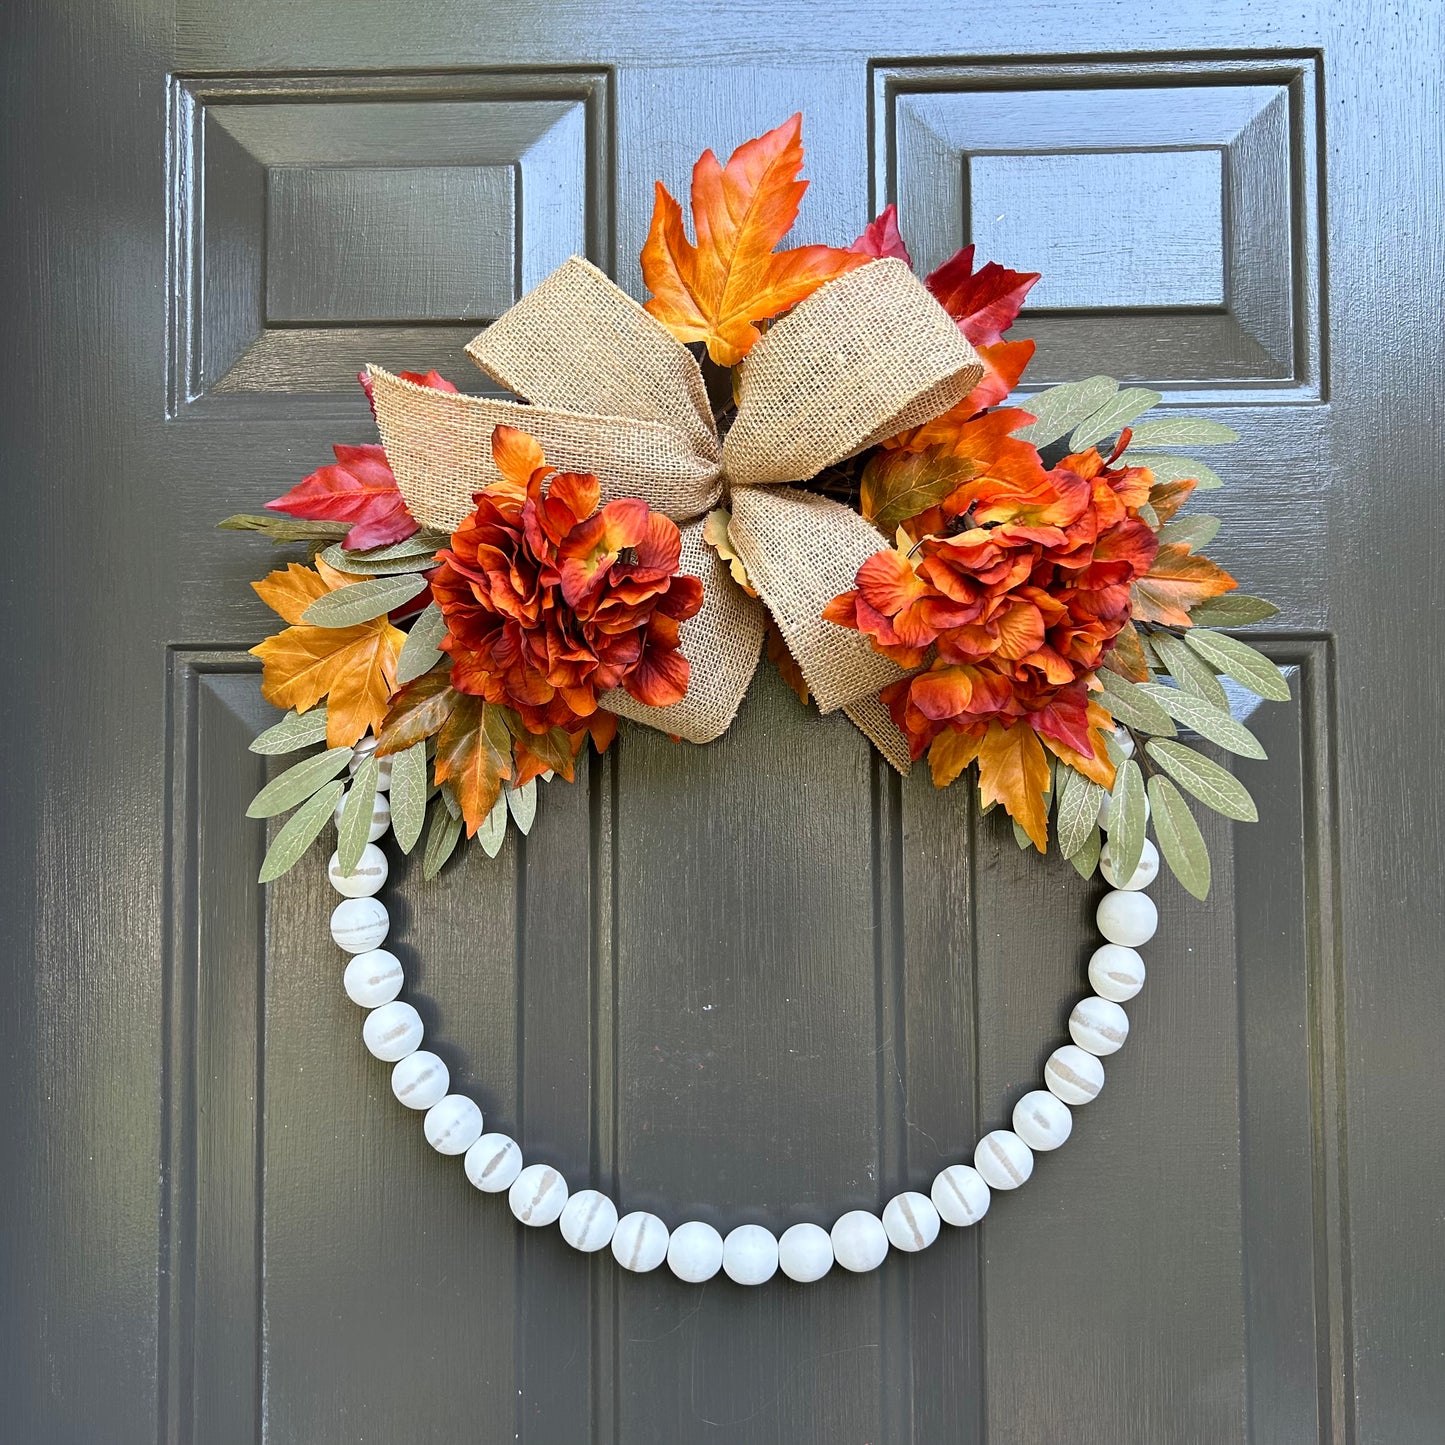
[
  {"x": 1074, "y": 1075},
  {"x": 640, "y": 1241},
  {"x": 359, "y": 754},
  {"x": 805, "y": 1253},
  {"x": 1003, "y": 1159},
  {"x": 392, "y": 1031},
  {"x": 380, "y": 815},
  {"x": 1116, "y": 972},
  {"x": 373, "y": 978},
  {"x": 960, "y": 1195},
  {"x": 1144, "y": 874},
  {"x": 363, "y": 880},
  {"x": 1127, "y": 918},
  {"x": 910, "y": 1221},
  {"x": 538, "y": 1195},
  {"x": 1124, "y": 741},
  {"x": 1098, "y": 1025},
  {"x": 695, "y": 1251},
  {"x": 750, "y": 1255},
  {"x": 359, "y": 924},
  {"x": 453, "y": 1124},
  {"x": 1041, "y": 1120},
  {"x": 859, "y": 1241},
  {"x": 1104, "y": 812},
  {"x": 493, "y": 1163},
  {"x": 420, "y": 1080},
  {"x": 588, "y": 1219}
]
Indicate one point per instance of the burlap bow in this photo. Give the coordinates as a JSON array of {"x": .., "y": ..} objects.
[{"x": 613, "y": 392}]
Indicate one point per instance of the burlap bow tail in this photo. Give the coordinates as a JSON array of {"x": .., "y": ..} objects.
[{"x": 613, "y": 392}]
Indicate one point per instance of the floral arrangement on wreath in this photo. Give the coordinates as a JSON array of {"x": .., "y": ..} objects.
[{"x": 805, "y": 450}]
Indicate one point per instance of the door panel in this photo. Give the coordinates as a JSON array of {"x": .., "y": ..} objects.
[{"x": 767, "y": 978}]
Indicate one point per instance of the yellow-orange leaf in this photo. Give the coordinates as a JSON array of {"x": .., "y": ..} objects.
[
  {"x": 1013, "y": 770},
  {"x": 474, "y": 755},
  {"x": 1176, "y": 584},
  {"x": 352, "y": 668},
  {"x": 1126, "y": 656},
  {"x": 950, "y": 753},
  {"x": 715, "y": 290}
]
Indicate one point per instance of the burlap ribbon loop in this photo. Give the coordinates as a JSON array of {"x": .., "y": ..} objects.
[{"x": 612, "y": 392}]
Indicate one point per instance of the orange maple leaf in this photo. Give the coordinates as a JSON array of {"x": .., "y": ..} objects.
[
  {"x": 950, "y": 753},
  {"x": 1176, "y": 584},
  {"x": 353, "y": 668},
  {"x": 716, "y": 290},
  {"x": 1013, "y": 770},
  {"x": 474, "y": 755}
]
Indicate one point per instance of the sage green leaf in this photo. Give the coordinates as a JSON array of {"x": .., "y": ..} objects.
[
  {"x": 422, "y": 649},
  {"x": 1170, "y": 468},
  {"x": 298, "y": 783},
  {"x": 1127, "y": 821},
  {"x": 1189, "y": 670},
  {"x": 441, "y": 837},
  {"x": 1086, "y": 859},
  {"x": 1022, "y": 838},
  {"x": 450, "y": 799},
  {"x": 1149, "y": 515},
  {"x": 1247, "y": 666},
  {"x": 299, "y": 832},
  {"x": 359, "y": 564},
  {"x": 522, "y": 804},
  {"x": 1180, "y": 840},
  {"x": 295, "y": 731},
  {"x": 1183, "y": 431},
  {"x": 284, "y": 530},
  {"x": 408, "y": 795},
  {"x": 494, "y": 827},
  {"x": 1196, "y": 531},
  {"x": 1061, "y": 408},
  {"x": 1214, "y": 786},
  {"x": 355, "y": 821},
  {"x": 1235, "y": 609},
  {"x": 1204, "y": 718},
  {"x": 1131, "y": 705},
  {"x": 362, "y": 601},
  {"x": 1115, "y": 414},
  {"x": 1078, "y": 811},
  {"x": 422, "y": 543}
]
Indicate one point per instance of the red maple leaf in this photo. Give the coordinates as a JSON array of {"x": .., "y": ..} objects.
[
  {"x": 881, "y": 237},
  {"x": 985, "y": 302},
  {"x": 359, "y": 489}
]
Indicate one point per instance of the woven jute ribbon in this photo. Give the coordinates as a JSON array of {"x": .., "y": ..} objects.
[{"x": 608, "y": 389}]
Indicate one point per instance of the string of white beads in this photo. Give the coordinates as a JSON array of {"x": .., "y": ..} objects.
[{"x": 750, "y": 1254}]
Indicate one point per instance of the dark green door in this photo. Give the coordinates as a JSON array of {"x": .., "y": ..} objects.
[{"x": 765, "y": 974}]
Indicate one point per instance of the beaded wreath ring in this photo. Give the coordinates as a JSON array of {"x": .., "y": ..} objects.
[{"x": 803, "y": 452}]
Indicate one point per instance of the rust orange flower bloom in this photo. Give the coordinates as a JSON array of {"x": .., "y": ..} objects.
[
  {"x": 550, "y": 602},
  {"x": 1009, "y": 616}
]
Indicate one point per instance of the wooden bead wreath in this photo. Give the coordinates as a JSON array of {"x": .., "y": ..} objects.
[
  {"x": 750, "y": 1254},
  {"x": 806, "y": 452}
]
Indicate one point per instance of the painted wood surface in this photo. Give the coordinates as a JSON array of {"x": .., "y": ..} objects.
[{"x": 767, "y": 978}]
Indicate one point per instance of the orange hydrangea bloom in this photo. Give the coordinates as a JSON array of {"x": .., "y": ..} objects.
[
  {"x": 549, "y": 601},
  {"x": 1010, "y": 614}
]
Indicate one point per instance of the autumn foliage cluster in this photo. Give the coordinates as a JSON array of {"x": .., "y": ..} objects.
[{"x": 1003, "y": 582}]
